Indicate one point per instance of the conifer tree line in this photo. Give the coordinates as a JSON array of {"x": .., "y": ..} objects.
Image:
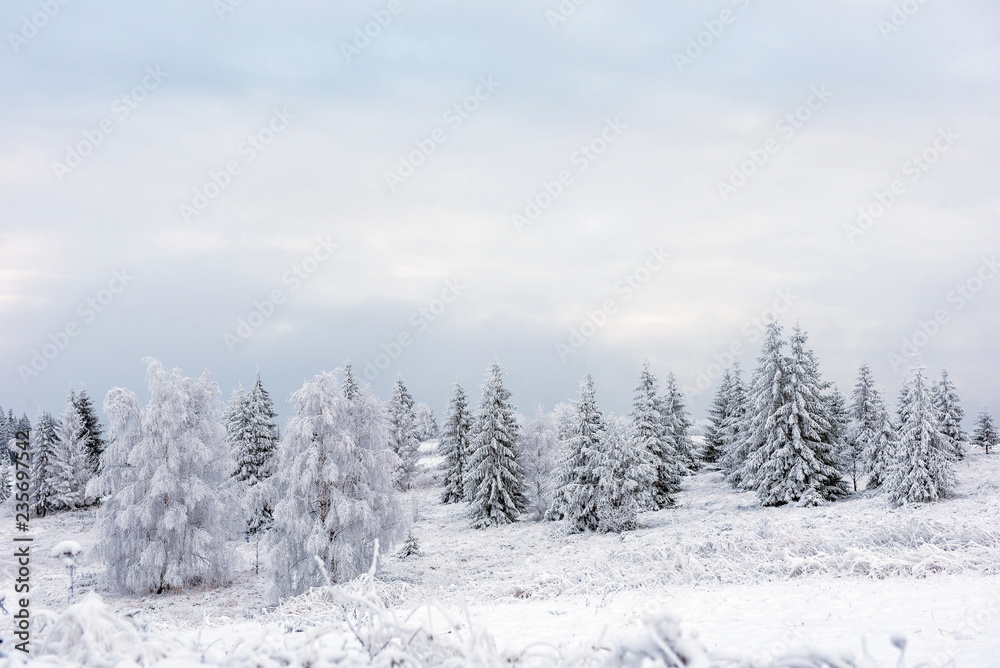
[
  {"x": 64, "y": 452},
  {"x": 320, "y": 497},
  {"x": 791, "y": 437}
]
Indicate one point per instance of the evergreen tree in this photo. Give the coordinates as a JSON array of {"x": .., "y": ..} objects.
[
  {"x": 714, "y": 449},
  {"x": 70, "y": 466},
  {"x": 734, "y": 429},
  {"x": 623, "y": 475},
  {"x": 540, "y": 455},
  {"x": 661, "y": 462},
  {"x": 426, "y": 425},
  {"x": 43, "y": 445},
  {"x": 7, "y": 429},
  {"x": 579, "y": 495},
  {"x": 93, "y": 433},
  {"x": 494, "y": 473},
  {"x": 799, "y": 463},
  {"x": 166, "y": 522},
  {"x": 880, "y": 456},
  {"x": 402, "y": 433},
  {"x": 763, "y": 429},
  {"x": 454, "y": 447},
  {"x": 865, "y": 424},
  {"x": 255, "y": 441},
  {"x": 351, "y": 389},
  {"x": 986, "y": 435},
  {"x": 950, "y": 414},
  {"x": 678, "y": 421},
  {"x": 922, "y": 471}
]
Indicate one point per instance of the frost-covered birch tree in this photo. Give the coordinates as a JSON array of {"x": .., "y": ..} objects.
[
  {"x": 334, "y": 483},
  {"x": 540, "y": 456},
  {"x": 166, "y": 522},
  {"x": 426, "y": 425}
]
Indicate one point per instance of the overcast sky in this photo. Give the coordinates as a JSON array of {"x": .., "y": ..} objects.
[{"x": 693, "y": 165}]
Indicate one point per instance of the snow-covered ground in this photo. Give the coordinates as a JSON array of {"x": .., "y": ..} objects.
[{"x": 752, "y": 582}]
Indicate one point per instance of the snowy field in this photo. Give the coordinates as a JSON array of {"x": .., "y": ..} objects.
[{"x": 751, "y": 584}]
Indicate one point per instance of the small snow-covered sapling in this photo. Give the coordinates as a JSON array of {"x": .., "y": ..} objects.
[{"x": 68, "y": 551}]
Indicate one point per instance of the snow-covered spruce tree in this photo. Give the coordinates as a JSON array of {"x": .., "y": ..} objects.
[
  {"x": 986, "y": 435},
  {"x": 167, "y": 521},
  {"x": 660, "y": 461},
  {"x": 93, "y": 433},
  {"x": 865, "y": 424},
  {"x": 679, "y": 423},
  {"x": 564, "y": 415},
  {"x": 256, "y": 440},
  {"x": 922, "y": 471},
  {"x": 880, "y": 456},
  {"x": 426, "y": 425},
  {"x": 734, "y": 429},
  {"x": 623, "y": 475},
  {"x": 42, "y": 445},
  {"x": 494, "y": 475},
  {"x": 70, "y": 468},
  {"x": 351, "y": 389},
  {"x": 799, "y": 463},
  {"x": 540, "y": 456},
  {"x": 579, "y": 493},
  {"x": 402, "y": 433},
  {"x": 334, "y": 482},
  {"x": 763, "y": 429},
  {"x": 950, "y": 414},
  {"x": 454, "y": 446},
  {"x": 714, "y": 449}
]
